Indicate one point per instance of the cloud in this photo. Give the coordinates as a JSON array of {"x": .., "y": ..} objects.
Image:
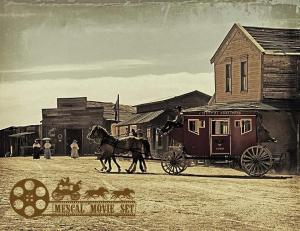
[
  {"x": 21, "y": 102},
  {"x": 103, "y": 66}
]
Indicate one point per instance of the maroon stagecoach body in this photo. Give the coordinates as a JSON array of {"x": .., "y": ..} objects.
[{"x": 219, "y": 135}]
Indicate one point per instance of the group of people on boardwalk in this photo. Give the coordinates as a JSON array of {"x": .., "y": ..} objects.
[{"x": 46, "y": 149}]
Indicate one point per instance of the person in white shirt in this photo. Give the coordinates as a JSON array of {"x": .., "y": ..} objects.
[
  {"x": 74, "y": 149},
  {"x": 47, "y": 151}
]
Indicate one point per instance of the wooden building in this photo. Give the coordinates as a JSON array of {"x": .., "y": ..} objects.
[
  {"x": 260, "y": 68},
  {"x": 153, "y": 115},
  {"x": 73, "y": 118},
  {"x": 18, "y": 141}
]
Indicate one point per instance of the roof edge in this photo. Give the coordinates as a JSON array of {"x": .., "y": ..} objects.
[{"x": 244, "y": 31}]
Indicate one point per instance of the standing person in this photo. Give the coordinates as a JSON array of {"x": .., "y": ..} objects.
[
  {"x": 36, "y": 150},
  {"x": 177, "y": 122},
  {"x": 133, "y": 132},
  {"x": 74, "y": 149},
  {"x": 47, "y": 151}
]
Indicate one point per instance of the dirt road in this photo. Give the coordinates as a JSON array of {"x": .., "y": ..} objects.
[{"x": 203, "y": 198}]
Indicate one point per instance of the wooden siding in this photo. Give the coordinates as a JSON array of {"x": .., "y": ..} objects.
[
  {"x": 236, "y": 49},
  {"x": 56, "y": 122},
  {"x": 280, "y": 77}
]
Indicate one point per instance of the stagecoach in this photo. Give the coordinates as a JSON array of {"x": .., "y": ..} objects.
[{"x": 220, "y": 137}]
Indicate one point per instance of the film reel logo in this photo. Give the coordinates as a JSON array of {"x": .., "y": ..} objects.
[{"x": 29, "y": 198}]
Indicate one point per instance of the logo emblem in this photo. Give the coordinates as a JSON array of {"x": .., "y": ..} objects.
[{"x": 29, "y": 198}]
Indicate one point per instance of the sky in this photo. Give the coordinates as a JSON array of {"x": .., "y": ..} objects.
[{"x": 144, "y": 52}]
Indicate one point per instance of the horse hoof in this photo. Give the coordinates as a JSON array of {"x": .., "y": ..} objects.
[
  {"x": 108, "y": 170},
  {"x": 119, "y": 170},
  {"x": 128, "y": 171}
]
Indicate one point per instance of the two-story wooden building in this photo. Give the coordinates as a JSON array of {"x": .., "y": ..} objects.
[{"x": 260, "y": 68}]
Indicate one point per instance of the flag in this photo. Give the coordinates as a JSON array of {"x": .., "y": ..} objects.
[{"x": 117, "y": 109}]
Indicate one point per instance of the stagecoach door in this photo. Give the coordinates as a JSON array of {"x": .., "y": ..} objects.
[{"x": 220, "y": 136}]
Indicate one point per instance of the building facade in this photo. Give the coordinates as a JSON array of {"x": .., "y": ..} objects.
[
  {"x": 260, "y": 68},
  {"x": 18, "y": 141},
  {"x": 73, "y": 119}
]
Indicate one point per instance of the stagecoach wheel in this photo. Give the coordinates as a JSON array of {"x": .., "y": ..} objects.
[
  {"x": 256, "y": 160},
  {"x": 57, "y": 196},
  {"x": 75, "y": 196},
  {"x": 173, "y": 162}
]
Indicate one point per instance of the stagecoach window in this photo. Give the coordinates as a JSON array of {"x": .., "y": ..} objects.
[
  {"x": 246, "y": 126},
  {"x": 193, "y": 126},
  {"x": 237, "y": 124},
  {"x": 202, "y": 123},
  {"x": 220, "y": 127}
]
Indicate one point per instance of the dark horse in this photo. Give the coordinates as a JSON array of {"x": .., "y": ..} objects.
[{"x": 110, "y": 146}]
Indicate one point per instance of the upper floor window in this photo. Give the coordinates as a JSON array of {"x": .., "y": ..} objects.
[
  {"x": 244, "y": 76},
  {"x": 228, "y": 78}
]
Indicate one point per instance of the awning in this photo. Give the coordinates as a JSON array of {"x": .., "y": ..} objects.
[
  {"x": 18, "y": 135},
  {"x": 141, "y": 118}
]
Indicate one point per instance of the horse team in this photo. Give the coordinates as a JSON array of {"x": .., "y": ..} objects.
[{"x": 110, "y": 146}]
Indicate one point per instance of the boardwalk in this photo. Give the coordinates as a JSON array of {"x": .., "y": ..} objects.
[{"x": 207, "y": 199}]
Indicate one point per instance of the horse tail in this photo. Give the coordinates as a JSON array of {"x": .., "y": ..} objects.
[{"x": 146, "y": 145}]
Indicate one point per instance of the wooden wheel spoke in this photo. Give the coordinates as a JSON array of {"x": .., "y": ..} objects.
[
  {"x": 265, "y": 167},
  {"x": 247, "y": 161}
]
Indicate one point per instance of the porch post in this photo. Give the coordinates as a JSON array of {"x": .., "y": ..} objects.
[{"x": 298, "y": 147}]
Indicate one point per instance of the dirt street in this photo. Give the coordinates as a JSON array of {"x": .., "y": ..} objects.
[{"x": 203, "y": 198}]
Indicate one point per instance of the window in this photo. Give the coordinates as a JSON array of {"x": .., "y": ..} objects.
[
  {"x": 220, "y": 127},
  {"x": 202, "y": 123},
  {"x": 246, "y": 126},
  {"x": 237, "y": 123},
  {"x": 228, "y": 78},
  {"x": 244, "y": 80},
  {"x": 194, "y": 125},
  {"x": 158, "y": 140}
]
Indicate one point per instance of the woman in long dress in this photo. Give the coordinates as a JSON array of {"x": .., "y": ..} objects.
[
  {"x": 47, "y": 151},
  {"x": 74, "y": 149},
  {"x": 36, "y": 150}
]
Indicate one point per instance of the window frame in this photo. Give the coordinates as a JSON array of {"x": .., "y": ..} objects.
[
  {"x": 228, "y": 78},
  {"x": 241, "y": 125},
  {"x": 220, "y": 120},
  {"x": 244, "y": 78},
  {"x": 197, "y": 126}
]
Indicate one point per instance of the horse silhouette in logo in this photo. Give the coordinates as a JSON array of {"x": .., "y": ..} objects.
[
  {"x": 100, "y": 192},
  {"x": 66, "y": 188},
  {"x": 120, "y": 194}
]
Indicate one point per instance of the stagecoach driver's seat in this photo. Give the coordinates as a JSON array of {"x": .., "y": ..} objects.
[{"x": 176, "y": 123}]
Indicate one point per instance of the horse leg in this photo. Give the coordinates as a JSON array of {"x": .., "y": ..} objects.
[
  {"x": 143, "y": 165},
  {"x": 134, "y": 165},
  {"x": 109, "y": 164},
  {"x": 116, "y": 163},
  {"x": 103, "y": 165},
  {"x": 129, "y": 170}
]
